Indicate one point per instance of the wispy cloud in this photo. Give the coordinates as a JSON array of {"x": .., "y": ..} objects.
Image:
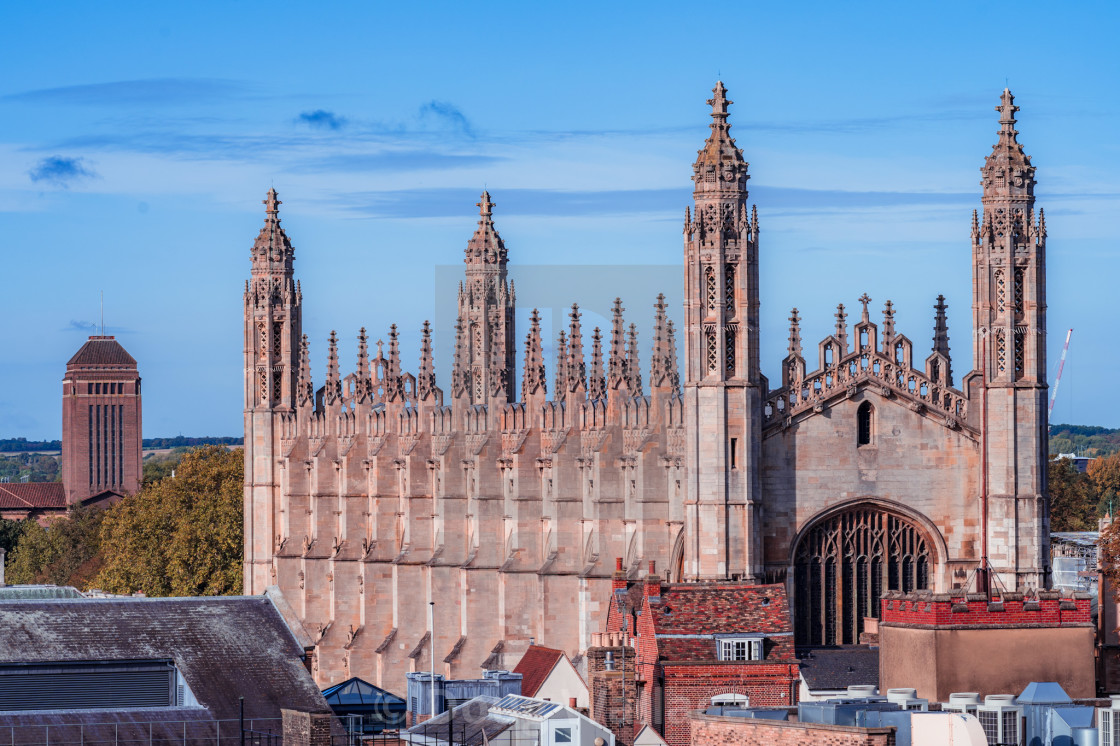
[
  {"x": 322, "y": 119},
  {"x": 453, "y": 202},
  {"x": 397, "y": 160},
  {"x": 449, "y": 114},
  {"x": 60, "y": 171},
  {"x": 86, "y": 327},
  {"x": 147, "y": 92}
]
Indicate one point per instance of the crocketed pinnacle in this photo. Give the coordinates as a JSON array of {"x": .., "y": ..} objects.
[
  {"x": 560, "y": 388},
  {"x": 362, "y": 384},
  {"x": 842, "y": 328},
  {"x": 659, "y": 361},
  {"x": 426, "y": 378},
  {"x": 596, "y": 382},
  {"x": 305, "y": 388},
  {"x": 794, "y": 349},
  {"x": 459, "y": 374},
  {"x": 486, "y": 246},
  {"x": 1007, "y": 172},
  {"x": 888, "y": 329},
  {"x": 616, "y": 357},
  {"x": 333, "y": 390},
  {"x": 577, "y": 372},
  {"x": 633, "y": 365},
  {"x": 533, "y": 380},
  {"x": 394, "y": 387}
]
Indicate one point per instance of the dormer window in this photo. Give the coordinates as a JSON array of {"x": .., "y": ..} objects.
[{"x": 740, "y": 649}]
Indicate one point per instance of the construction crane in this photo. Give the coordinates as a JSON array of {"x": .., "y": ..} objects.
[{"x": 1058, "y": 380}]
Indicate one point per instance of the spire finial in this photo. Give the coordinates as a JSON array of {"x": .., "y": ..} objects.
[
  {"x": 719, "y": 102},
  {"x": 485, "y": 206},
  {"x": 426, "y": 378},
  {"x": 272, "y": 204},
  {"x": 842, "y": 328},
  {"x": 1007, "y": 109},
  {"x": 596, "y": 383}
]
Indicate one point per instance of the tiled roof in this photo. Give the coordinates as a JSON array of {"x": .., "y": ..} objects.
[
  {"x": 721, "y": 608},
  {"x": 535, "y": 666},
  {"x": 223, "y": 647},
  {"x": 839, "y": 667},
  {"x": 102, "y": 351},
  {"x": 33, "y": 496}
]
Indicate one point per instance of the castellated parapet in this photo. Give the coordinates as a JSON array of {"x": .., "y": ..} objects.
[{"x": 505, "y": 497}]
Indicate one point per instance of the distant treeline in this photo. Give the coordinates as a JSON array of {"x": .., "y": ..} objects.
[
  {"x": 181, "y": 440},
  {"x": 23, "y": 445},
  {"x": 1084, "y": 440}
]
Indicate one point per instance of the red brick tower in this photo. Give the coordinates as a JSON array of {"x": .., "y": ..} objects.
[{"x": 101, "y": 432}]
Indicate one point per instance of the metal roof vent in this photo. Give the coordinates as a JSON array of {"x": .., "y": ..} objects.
[
  {"x": 858, "y": 691},
  {"x": 965, "y": 702},
  {"x": 1001, "y": 719}
]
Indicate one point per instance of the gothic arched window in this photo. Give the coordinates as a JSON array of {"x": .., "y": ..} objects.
[{"x": 863, "y": 423}]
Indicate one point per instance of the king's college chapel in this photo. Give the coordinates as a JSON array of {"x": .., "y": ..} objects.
[{"x": 506, "y": 497}]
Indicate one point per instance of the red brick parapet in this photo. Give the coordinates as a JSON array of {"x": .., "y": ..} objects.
[{"x": 928, "y": 610}]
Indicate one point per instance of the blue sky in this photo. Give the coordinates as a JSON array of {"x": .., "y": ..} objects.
[{"x": 137, "y": 141}]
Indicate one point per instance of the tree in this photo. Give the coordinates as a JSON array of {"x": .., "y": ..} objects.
[
  {"x": 9, "y": 533},
  {"x": 1104, "y": 472},
  {"x": 181, "y": 535},
  {"x": 64, "y": 552},
  {"x": 1073, "y": 498}
]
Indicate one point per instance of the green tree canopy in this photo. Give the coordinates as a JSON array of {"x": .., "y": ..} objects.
[
  {"x": 65, "y": 552},
  {"x": 1073, "y": 498},
  {"x": 181, "y": 535}
]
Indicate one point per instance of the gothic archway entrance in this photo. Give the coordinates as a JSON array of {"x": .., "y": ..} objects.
[{"x": 843, "y": 564}]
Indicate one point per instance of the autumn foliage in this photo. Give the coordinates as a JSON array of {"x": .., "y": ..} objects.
[{"x": 178, "y": 536}]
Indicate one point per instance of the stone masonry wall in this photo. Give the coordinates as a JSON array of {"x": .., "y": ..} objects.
[{"x": 709, "y": 730}]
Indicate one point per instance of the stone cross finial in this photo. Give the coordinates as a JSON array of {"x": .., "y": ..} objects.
[
  {"x": 865, "y": 299},
  {"x": 1007, "y": 109}
]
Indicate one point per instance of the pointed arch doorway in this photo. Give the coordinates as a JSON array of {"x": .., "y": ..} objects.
[{"x": 844, "y": 561}]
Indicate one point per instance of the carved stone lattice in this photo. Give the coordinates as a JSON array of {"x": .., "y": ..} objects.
[
  {"x": 729, "y": 289},
  {"x": 1018, "y": 290},
  {"x": 277, "y": 336},
  {"x": 711, "y": 292},
  {"x": 729, "y": 335},
  {"x": 844, "y": 564},
  {"x": 1001, "y": 291},
  {"x": 711, "y": 354},
  {"x": 1019, "y": 357},
  {"x": 1001, "y": 351}
]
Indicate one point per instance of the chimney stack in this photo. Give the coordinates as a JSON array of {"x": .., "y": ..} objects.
[
  {"x": 653, "y": 581},
  {"x": 618, "y": 581}
]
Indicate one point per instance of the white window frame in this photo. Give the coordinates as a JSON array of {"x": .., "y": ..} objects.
[
  {"x": 740, "y": 648},
  {"x": 731, "y": 700}
]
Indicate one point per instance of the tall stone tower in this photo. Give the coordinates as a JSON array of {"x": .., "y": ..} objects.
[
  {"x": 1009, "y": 319},
  {"x": 272, "y": 344},
  {"x": 486, "y": 316},
  {"x": 723, "y": 380},
  {"x": 102, "y": 446}
]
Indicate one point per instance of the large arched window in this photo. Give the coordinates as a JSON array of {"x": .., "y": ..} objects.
[
  {"x": 864, "y": 423},
  {"x": 845, "y": 562}
]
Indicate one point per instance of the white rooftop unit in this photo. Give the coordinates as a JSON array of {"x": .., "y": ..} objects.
[
  {"x": 862, "y": 691},
  {"x": 965, "y": 702},
  {"x": 1001, "y": 719},
  {"x": 908, "y": 699},
  {"x": 1108, "y": 723}
]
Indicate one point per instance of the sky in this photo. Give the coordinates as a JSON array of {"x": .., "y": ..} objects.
[{"x": 137, "y": 141}]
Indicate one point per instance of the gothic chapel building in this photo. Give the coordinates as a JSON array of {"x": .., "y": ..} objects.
[{"x": 870, "y": 466}]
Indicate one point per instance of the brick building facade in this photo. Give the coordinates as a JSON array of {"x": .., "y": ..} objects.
[
  {"x": 102, "y": 446},
  {"x": 699, "y": 644},
  {"x": 370, "y": 494}
]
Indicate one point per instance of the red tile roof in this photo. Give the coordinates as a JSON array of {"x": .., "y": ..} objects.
[
  {"x": 102, "y": 351},
  {"x": 33, "y": 496},
  {"x": 535, "y": 666},
  {"x": 698, "y": 609}
]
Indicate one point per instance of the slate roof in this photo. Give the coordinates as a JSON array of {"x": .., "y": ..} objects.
[
  {"x": 535, "y": 666},
  {"x": 687, "y": 616},
  {"x": 224, "y": 647},
  {"x": 14, "y": 592},
  {"x": 102, "y": 351},
  {"x": 32, "y": 496},
  {"x": 840, "y": 667}
]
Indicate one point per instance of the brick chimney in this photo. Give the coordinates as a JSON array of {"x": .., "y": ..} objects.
[
  {"x": 652, "y": 586},
  {"x": 618, "y": 580}
]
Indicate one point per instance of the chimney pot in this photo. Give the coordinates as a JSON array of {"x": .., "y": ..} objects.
[
  {"x": 572, "y": 702},
  {"x": 653, "y": 567},
  {"x": 618, "y": 564}
]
